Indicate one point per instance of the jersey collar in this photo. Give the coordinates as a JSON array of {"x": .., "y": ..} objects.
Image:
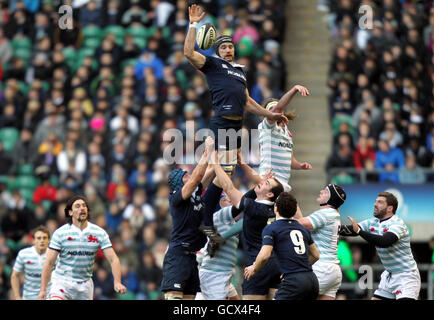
[
  {"x": 267, "y": 202},
  {"x": 233, "y": 64}
]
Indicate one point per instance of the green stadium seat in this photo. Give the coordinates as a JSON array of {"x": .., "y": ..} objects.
[
  {"x": 25, "y": 169},
  {"x": 91, "y": 43},
  {"x": 27, "y": 193},
  {"x": 26, "y": 182},
  {"x": 21, "y": 43},
  {"x": 128, "y": 62},
  {"x": 9, "y": 136},
  {"x": 92, "y": 32},
  {"x": 23, "y": 87},
  {"x": 336, "y": 122},
  {"x": 141, "y": 42},
  {"x": 117, "y": 31},
  {"x": 23, "y": 53},
  {"x": 137, "y": 31}
]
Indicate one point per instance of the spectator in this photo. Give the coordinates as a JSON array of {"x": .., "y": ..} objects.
[
  {"x": 411, "y": 173},
  {"x": 362, "y": 153},
  {"x": 5, "y": 161},
  {"x": 390, "y": 160},
  {"x": 71, "y": 160},
  {"x": 91, "y": 15}
]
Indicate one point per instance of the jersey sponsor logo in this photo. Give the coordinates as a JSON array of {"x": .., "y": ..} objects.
[
  {"x": 198, "y": 207},
  {"x": 237, "y": 74},
  {"x": 285, "y": 145},
  {"x": 91, "y": 238},
  {"x": 80, "y": 253}
]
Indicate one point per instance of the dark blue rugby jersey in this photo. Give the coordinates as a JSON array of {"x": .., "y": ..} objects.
[
  {"x": 290, "y": 241},
  {"x": 256, "y": 215},
  {"x": 227, "y": 85},
  {"x": 186, "y": 218}
]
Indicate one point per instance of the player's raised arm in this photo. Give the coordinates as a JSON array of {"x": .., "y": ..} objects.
[
  {"x": 253, "y": 107},
  {"x": 226, "y": 184},
  {"x": 196, "y": 59},
  {"x": 199, "y": 172},
  {"x": 46, "y": 272}
]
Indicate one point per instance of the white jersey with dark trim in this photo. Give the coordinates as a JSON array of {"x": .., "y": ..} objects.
[{"x": 77, "y": 250}]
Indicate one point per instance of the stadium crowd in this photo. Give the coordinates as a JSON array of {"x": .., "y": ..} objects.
[
  {"x": 84, "y": 110},
  {"x": 382, "y": 101}
]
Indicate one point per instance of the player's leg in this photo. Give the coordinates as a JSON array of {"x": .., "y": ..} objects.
[
  {"x": 211, "y": 200},
  {"x": 383, "y": 291},
  {"x": 59, "y": 289},
  {"x": 329, "y": 277},
  {"x": 232, "y": 292},
  {"x": 176, "y": 271},
  {"x": 406, "y": 285}
]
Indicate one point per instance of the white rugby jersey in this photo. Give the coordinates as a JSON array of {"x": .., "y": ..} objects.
[
  {"x": 77, "y": 250},
  {"x": 225, "y": 257},
  {"x": 326, "y": 224},
  {"x": 30, "y": 262},
  {"x": 398, "y": 257},
  {"x": 276, "y": 150}
]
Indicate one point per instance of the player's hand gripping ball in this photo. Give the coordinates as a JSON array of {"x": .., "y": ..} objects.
[{"x": 206, "y": 36}]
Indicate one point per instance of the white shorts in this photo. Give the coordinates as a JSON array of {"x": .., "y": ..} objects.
[
  {"x": 329, "y": 277},
  {"x": 216, "y": 285},
  {"x": 65, "y": 289},
  {"x": 399, "y": 285}
]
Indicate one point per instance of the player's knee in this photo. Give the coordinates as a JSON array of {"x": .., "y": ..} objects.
[{"x": 173, "y": 296}]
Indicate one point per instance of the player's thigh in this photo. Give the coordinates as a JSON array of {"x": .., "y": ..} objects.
[
  {"x": 329, "y": 278},
  {"x": 214, "y": 285},
  {"x": 406, "y": 284},
  {"x": 384, "y": 290},
  {"x": 60, "y": 289}
]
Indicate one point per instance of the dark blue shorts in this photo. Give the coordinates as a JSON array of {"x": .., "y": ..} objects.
[
  {"x": 267, "y": 278},
  {"x": 298, "y": 286},
  {"x": 230, "y": 139},
  {"x": 180, "y": 272}
]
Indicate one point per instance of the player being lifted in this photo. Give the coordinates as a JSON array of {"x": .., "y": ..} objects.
[
  {"x": 401, "y": 279},
  {"x": 324, "y": 224},
  {"x": 227, "y": 83}
]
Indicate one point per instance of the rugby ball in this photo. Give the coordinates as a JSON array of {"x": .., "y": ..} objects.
[{"x": 206, "y": 36}]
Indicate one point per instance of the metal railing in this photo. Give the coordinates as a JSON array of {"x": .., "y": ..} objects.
[
  {"x": 361, "y": 175},
  {"x": 372, "y": 284}
]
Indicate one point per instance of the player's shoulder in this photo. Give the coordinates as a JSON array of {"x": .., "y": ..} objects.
[
  {"x": 95, "y": 228},
  {"x": 26, "y": 251},
  {"x": 63, "y": 229}
]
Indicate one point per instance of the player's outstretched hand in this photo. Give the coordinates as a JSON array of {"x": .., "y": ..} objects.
[
  {"x": 279, "y": 117},
  {"x": 303, "y": 90},
  {"x": 269, "y": 174},
  {"x": 209, "y": 143},
  {"x": 195, "y": 13},
  {"x": 249, "y": 272},
  {"x": 120, "y": 288},
  {"x": 305, "y": 166},
  {"x": 356, "y": 227}
]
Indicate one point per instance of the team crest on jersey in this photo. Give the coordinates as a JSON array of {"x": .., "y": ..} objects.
[
  {"x": 91, "y": 238},
  {"x": 271, "y": 220},
  {"x": 224, "y": 66}
]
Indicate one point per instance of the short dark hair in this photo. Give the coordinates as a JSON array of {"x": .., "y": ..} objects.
[
  {"x": 390, "y": 200},
  {"x": 41, "y": 228},
  {"x": 277, "y": 190},
  {"x": 69, "y": 207},
  {"x": 286, "y": 205}
]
